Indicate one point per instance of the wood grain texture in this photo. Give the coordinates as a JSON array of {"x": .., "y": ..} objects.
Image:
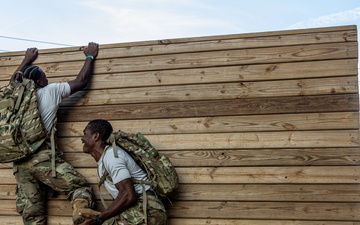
[{"x": 262, "y": 128}]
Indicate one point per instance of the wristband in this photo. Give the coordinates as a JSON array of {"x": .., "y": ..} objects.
[
  {"x": 98, "y": 220},
  {"x": 90, "y": 57}
]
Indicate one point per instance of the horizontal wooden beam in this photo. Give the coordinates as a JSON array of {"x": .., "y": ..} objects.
[
  {"x": 63, "y": 220},
  {"x": 216, "y": 124},
  {"x": 251, "y": 157},
  {"x": 265, "y": 210},
  {"x": 233, "y": 210},
  {"x": 298, "y": 53},
  {"x": 243, "y": 157},
  {"x": 219, "y": 91},
  {"x": 245, "y": 175},
  {"x": 251, "y": 140},
  {"x": 245, "y": 73},
  {"x": 220, "y": 42},
  {"x": 241, "y": 192},
  {"x": 232, "y": 107}
]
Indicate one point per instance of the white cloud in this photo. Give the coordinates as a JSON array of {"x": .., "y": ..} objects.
[
  {"x": 345, "y": 17},
  {"x": 131, "y": 22}
]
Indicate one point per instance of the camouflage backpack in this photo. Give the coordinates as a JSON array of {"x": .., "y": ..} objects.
[
  {"x": 22, "y": 130},
  {"x": 160, "y": 171}
]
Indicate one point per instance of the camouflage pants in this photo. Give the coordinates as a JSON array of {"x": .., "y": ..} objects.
[
  {"x": 156, "y": 214},
  {"x": 33, "y": 174}
]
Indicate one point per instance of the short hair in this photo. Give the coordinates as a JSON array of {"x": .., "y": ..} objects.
[
  {"x": 32, "y": 72},
  {"x": 103, "y": 127}
]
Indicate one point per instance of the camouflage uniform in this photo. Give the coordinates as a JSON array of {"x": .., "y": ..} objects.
[
  {"x": 34, "y": 173},
  {"x": 156, "y": 213}
]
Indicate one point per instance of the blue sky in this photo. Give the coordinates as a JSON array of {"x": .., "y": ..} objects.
[{"x": 76, "y": 22}]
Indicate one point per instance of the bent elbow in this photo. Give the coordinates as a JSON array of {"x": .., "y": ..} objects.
[{"x": 132, "y": 199}]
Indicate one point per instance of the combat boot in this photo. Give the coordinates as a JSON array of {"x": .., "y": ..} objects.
[{"x": 81, "y": 205}]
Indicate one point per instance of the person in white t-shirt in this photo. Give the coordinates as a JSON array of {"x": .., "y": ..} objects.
[
  {"x": 34, "y": 173},
  {"x": 127, "y": 204}
]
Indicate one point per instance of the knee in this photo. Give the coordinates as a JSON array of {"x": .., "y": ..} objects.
[{"x": 84, "y": 193}]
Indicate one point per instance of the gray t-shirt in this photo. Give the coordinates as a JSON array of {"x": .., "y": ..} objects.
[
  {"x": 49, "y": 98},
  {"x": 119, "y": 169}
]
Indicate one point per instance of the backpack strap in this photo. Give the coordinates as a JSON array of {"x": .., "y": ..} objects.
[
  {"x": 20, "y": 78},
  {"x": 102, "y": 180},
  {"x": 106, "y": 176},
  {"x": 112, "y": 139},
  {"x": 53, "y": 150},
  {"x": 21, "y": 93},
  {"x": 144, "y": 203}
]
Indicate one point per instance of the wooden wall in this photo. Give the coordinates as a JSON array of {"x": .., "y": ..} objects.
[{"x": 263, "y": 128}]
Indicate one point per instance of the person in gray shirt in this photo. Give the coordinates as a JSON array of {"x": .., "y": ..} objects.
[
  {"x": 127, "y": 204},
  {"x": 35, "y": 174}
]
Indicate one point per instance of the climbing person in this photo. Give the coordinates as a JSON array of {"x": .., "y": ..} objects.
[
  {"x": 130, "y": 204},
  {"x": 42, "y": 169}
]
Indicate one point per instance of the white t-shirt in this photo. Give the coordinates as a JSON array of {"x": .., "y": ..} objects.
[
  {"x": 49, "y": 98},
  {"x": 119, "y": 169}
]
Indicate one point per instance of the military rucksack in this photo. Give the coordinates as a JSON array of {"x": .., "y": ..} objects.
[
  {"x": 22, "y": 130},
  {"x": 160, "y": 171}
]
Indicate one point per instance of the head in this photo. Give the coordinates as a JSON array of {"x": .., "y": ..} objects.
[
  {"x": 36, "y": 74},
  {"x": 96, "y": 133}
]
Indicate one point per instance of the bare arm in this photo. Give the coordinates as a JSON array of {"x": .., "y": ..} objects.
[
  {"x": 30, "y": 56},
  {"x": 125, "y": 199},
  {"x": 82, "y": 78}
]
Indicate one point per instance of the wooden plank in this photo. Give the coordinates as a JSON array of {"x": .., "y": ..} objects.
[
  {"x": 184, "y": 221},
  {"x": 229, "y": 43},
  {"x": 54, "y": 220},
  {"x": 262, "y": 106},
  {"x": 8, "y": 208},
  {"x": 306, "y": 121},
  {"x": 295, "y": 139},
  {"x": 242, "y": 210},
  {"x": 251, "y": 157},
  {"x": 246, "y": 210},
  {"x": 266, "y": 210},
  {"x": 219, "y": 91},
  {"x": 58, "y": 220},
  {"x": 210, "y": 59},
  {"x": 241, "y": 192},
  {"x": 274, "y": 175},
  {"x": 268, "y": 192},
  {"x": 7, "y": 191},
  {"x": 245, "y": 175},
  {"x": 299, "y": 53},
  {"x": 237, "y": 210},
  {"x": 244, "y": 157},
  {"x": 261, "y": 72},
  {"x": 7, "y": 177},
  {"x": 254, "y": 157},
  {"x": 263, "y": 157},
  {"x": 203, "y": 44},
  {"x": 278, "y": 71},
  {"x": 13, "y": 220},
  {"x": 253, "y": 140}
]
